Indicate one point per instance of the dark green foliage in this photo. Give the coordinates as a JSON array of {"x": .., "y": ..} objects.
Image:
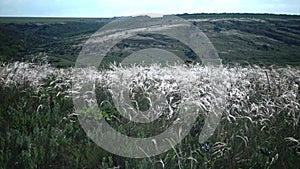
[
  {"x": 24, "y": 38},
  {"x": 244, "y": 38}
]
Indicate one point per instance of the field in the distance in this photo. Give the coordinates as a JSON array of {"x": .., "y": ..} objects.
[{"x": 244, "y": 38}]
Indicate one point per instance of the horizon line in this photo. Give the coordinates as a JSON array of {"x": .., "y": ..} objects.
[{"x": 109, "y": 17}]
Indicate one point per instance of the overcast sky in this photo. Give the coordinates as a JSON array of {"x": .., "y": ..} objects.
[{"x": 110, "y": 8}]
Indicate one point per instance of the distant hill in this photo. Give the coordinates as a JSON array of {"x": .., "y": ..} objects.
[{"x": 244, "y": 38}]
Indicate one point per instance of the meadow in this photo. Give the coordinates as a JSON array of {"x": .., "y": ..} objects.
[
  {"x": 254, "y": 96},
  {"x": 259, "y": 127}
]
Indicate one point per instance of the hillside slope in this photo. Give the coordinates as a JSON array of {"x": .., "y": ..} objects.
[{"x": 244, "y": 38}]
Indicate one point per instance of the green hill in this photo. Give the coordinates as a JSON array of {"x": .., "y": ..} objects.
[{"x": 244, "y": 38}]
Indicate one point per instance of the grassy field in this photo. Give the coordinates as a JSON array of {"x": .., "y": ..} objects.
[
  {"x": 259, "y": 126},
  {"x": 258, "y": 94}
]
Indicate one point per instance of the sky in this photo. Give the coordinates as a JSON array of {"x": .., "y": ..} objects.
[{"x": 111, "y": 8}]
